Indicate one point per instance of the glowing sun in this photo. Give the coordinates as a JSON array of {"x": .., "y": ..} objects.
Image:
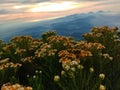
[{"x": 49, "y": 7}]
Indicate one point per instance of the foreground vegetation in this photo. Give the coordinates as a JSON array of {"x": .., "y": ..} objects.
[{"x": 60, "y": 63}]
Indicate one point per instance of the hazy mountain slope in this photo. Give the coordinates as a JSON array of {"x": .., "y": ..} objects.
[{"x": 73, "y": 25}]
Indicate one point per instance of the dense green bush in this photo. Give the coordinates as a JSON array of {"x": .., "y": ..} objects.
[{"x": 60, "y": 63}]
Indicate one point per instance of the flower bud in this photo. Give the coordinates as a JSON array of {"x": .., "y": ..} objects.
[
  {"x": 102, "y": 87},
  {"x": 40, "y": 72},
  {"x": 56, "y": 78},
  {"x": 73, "y": 69},
  {"x": 28, "y": 75},
  {"x": 102, "y": 76},
  {"x": 34, "y": 76},
  {"x": 62, "y": 72},
  {"x": 67, "y": 67},
  {"x": 36, "y": 71},
  {"x": 91, "y": 69},
  {"x": 80, "y": 67}
]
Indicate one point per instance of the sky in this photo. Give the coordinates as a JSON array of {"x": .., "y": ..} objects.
[{"x": 35, "y": 10}]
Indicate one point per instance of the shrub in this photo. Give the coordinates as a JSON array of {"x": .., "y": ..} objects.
[{"x": 66, "y": 64}]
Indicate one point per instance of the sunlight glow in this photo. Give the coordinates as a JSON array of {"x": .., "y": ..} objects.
[{"x": 62, "y": 6}]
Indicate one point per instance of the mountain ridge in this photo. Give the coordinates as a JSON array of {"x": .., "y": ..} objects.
[{"x": 72, "y": 25}]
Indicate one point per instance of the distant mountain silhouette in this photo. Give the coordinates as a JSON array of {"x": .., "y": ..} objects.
[{"x": 73, "y": 25}]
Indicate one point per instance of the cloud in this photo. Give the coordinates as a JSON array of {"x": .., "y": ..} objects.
[
  {"x": 9, "y": 9},
  {"x": 6, "y": 8},
  {"x": 26, "y": 9},
  {"x": 71, "y": 0},
  {"x": 22, "y": 1},
  {"x": 3, "y": 11},
  {"x": 40, "y": 1}
]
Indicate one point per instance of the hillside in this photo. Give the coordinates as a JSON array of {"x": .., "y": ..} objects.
[{"x": 73, "y": 25}]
